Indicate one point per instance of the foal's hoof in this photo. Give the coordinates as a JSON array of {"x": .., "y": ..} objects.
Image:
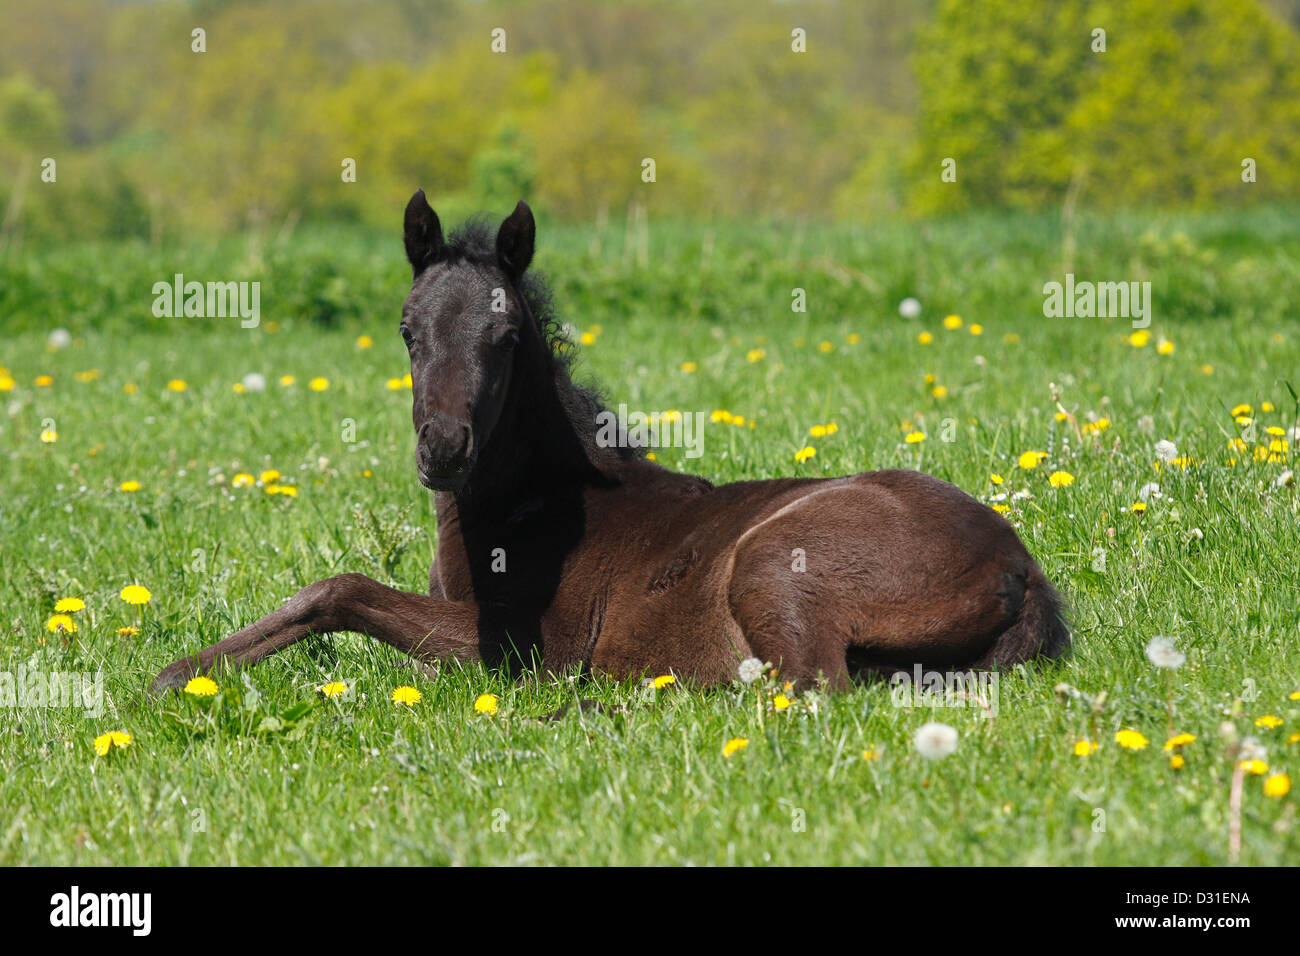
[{"x": 173, "y": 677}]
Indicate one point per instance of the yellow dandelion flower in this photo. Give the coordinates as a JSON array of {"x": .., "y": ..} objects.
[
  {"x": 1138, "y": 507},
  {"x": 335, "y": 688},
  {"x": 1139, "y": 339},
  {"x": 1130, "y": 739},
  {"x": 817, "y": 431},
  {"x": 1084, "y": 748},
  {"x": 130, "y": 388},
  {"x": 114, "y": 738},
  {"x": 1267, "y": 407},
  {"x": 1179, "y": 740},
  {"x": 689, "y": 367},
  {"x": 69, "y": 605},
  {"x": 803, "y": 454},
  {"x": 755, "y": 355},
  {"x": 1268, "y": 722},
  {"x": 1165, "y": 347},
  {"x": 131, "y": 485},
  {"x": 61, "y": 622},
  {"x": 720, "y": 415},
  {"x": 239, "y": 388},
  {"x": 914, "y": 438},
  {"x": 1294, "y": 695},
  {"x": 824, "y": 347},
  {"x": 1207, "y": 369},
  {"x": 1031, "y": 459},
  {"x": 781, "y": 702},
  {"x": 1177, "y": 761},
  {"x": 242, "y": 480},
  {"x": 1242, "y": 409},
  {"x": 364, "y": 342},
  {"x": 996, "y": 479},
  {"x": 734, "y": 745},
  {"x": 1001, "y": 509},
  {"x": 853, "y": 338},
  {"x": 6, "y": 382},
  {"x": 136, "y": 594},
  {"x": 177, "y": 385},
  {"x": 925, "y": 338},
  {"x": 976, "y": 329},
  {"x": 201, "y": 687},
  {"x": 1060, "y": 479},
  {"x": 939, "y": 391},
  {"x": 49, "y": 436},
  {"x": 269, "y": 477},
  {"x": 871, "y": 753},
  {"x": 1277, "y": 785},
  {"x": 952, "y": 322},
  {"x": 129, "y": 631},
  {"x": 319, "y": 383},
  {"x": 486, "y": 704},
  {"x": 44, "y": 381},
  {"x": 832, "y": 428},
  {"x": 407, "y": 695},
  {"x": 394, "y": 384},
  {"x": 663, "y": 681},
  {"x": 1255, "y": 767}
]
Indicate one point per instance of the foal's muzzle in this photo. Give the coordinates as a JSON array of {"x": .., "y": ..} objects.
[{"x": 444, "y": 453}]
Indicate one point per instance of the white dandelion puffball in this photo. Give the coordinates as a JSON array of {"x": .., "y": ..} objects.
[
  {"x": 60, "y": 339},
  {"x": 254, "y": 382},
  {"x": 909, "y": 308},
  {"x": 1148, "y": 491},
  {"x": 1162, "y": 653},
  {"x": 1166, "y": 450},
  {"x": 1252, "y": 749},
  {"x": 934, "y": 741},
  {"x": 751, "y": 669}
]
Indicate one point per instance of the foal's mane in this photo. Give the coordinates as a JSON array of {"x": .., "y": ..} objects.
[{"x": 474, "y": 242}]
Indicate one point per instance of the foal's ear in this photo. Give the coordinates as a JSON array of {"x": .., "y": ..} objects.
[
  {"x": 422, "y": 234},
  {"x": 515, "y": 241}
]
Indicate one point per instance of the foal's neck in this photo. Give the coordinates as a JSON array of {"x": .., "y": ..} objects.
[{"x": 537, "y": 450}]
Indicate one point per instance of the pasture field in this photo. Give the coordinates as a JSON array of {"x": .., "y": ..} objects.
[{"x": 690, "y": 318}]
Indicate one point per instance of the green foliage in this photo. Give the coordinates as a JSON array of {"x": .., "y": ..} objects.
[{"x": 1183, "y": 92}]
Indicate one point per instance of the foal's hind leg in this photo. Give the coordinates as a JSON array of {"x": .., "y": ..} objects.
[{"x": 423, "y": 627}]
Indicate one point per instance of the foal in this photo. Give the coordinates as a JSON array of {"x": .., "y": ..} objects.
[{"x": 554, "y": 549}]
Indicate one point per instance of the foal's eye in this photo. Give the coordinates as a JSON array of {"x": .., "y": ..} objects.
[
  {"x": 505, "y": 338},
  {"x": 406, "y": 337}
]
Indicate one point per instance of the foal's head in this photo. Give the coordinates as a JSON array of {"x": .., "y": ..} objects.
[{"x": 461, "y": 322}]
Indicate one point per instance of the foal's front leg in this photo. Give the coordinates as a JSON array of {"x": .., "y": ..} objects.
[{"x": 424, "y": 627}]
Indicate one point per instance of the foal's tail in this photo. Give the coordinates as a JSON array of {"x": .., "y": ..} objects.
[{"x": 1039, "y": 630}]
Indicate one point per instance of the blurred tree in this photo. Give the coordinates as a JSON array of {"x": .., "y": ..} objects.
[{"x": 1014, "y": 92}]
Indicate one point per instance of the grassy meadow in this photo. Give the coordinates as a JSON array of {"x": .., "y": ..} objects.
[{"x": 690, "y": 317}]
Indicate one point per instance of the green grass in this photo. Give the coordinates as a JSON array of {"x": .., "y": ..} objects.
[{"x": 364, "y": 781}]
